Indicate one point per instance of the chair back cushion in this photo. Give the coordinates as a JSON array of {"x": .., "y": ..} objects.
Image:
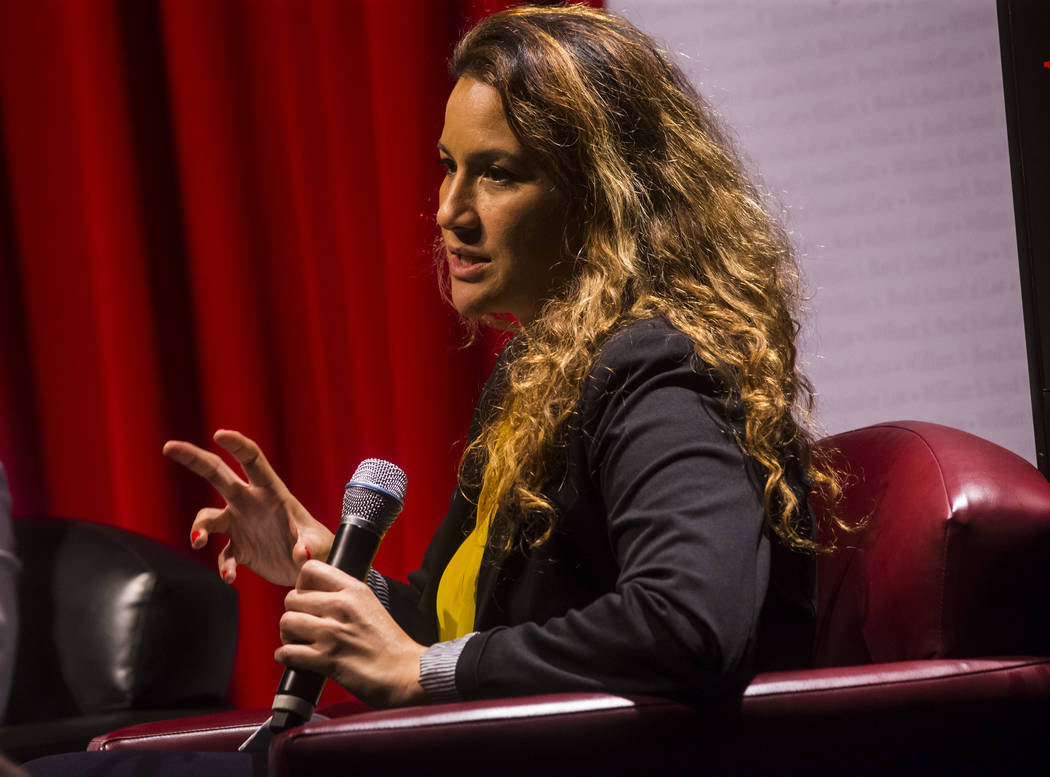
[
  {"x": 113, "y": 620},
  {"x": 954, "y": 558}
]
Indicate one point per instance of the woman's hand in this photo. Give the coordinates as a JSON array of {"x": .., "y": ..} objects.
[
  {"x": 334, "y": 625},
  {"x": 269, "y": 530}
]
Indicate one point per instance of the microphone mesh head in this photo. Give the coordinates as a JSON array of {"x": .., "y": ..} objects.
[
  {"x": 375, "y": 494},
  {"x": 383, "y": 474}
]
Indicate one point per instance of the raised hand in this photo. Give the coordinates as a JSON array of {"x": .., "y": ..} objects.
[
  {"x": 269, "y": 530},
  {"x": 334, "y": 625}
]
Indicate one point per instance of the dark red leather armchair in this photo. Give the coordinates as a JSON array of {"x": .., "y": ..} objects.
[{"x": 932, "y": 655}]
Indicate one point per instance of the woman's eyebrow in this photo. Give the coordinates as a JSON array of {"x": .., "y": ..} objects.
[{"x": 486, "y": 155}]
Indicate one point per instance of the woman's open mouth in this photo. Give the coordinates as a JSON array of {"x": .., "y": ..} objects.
[{"x": 467, "y": 267}]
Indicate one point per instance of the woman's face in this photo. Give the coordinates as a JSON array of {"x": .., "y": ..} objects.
[{"x": 501, "y": 218}]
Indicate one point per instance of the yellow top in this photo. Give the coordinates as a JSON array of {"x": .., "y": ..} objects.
[
  {"x": 458, "y": 590},
  {"x": 457, "y": 594}
]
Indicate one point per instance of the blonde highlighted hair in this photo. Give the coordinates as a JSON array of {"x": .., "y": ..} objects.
[{"x": 663, "y": 222}]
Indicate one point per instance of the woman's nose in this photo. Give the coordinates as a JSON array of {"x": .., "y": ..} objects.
[{"x": 456, "y": 205}]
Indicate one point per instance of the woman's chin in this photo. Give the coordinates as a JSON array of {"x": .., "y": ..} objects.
[
  {"x": 467, "y": 302},
  {"x": 474, "y": 302}
]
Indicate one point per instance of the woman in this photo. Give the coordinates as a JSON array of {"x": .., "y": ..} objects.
[
  {"x": 631, "y": 511},
  {"x": 634, "y": 488}
]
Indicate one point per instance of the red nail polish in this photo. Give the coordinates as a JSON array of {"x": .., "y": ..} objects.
[
  {"x": 194, "y": 536},
  {"x": 307, "y": 554},
  {"x": 224, "y": 573}
]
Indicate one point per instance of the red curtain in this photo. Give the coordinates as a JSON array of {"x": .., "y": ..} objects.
[{"x": 219, "y": 214}]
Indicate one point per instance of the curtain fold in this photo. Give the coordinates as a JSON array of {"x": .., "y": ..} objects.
[{"x": 219, "y": 213}]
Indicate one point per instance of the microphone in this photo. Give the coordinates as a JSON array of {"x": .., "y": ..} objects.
[{"x": 372, "y": 500}]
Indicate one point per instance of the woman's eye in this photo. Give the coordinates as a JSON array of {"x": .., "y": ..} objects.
[
  {"x": 448, "y": 164},
  {"x": 498, "y": 175}
]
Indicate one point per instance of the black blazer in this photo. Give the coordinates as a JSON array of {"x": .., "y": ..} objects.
[{"x": 658, "y": 577}]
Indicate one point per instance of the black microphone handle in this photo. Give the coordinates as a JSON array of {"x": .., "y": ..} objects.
[{"x": 353, "y": 549}]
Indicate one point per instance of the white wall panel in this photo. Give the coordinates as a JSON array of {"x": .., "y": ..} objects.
[{"x": 878, "y": 126}]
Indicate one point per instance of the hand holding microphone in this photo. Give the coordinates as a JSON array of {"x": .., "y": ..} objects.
[{"x": 334, "y": 626}]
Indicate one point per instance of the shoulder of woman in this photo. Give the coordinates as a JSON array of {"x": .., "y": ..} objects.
[
  {"x": 646, "y": 350},
  {"x": 650, "y": 340}
]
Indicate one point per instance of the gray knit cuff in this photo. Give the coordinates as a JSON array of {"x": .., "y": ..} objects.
[
  {"x": 437, "y": 669},
  {"x": 379, "y": 587}
]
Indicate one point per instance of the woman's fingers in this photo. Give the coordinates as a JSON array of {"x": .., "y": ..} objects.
[
  {"x": 299, "y": 628},
  {"x": 308, "y": 642},
  {"x": 324, "y": 592},
  {"x": 206, "y": 464},
  {"x": 250, "y": 456},
  {"x": 269, "y": 529},
  {"x": 317, "y": 603},
  {"x": 348, "y": 636},
  {"x": 228, "y": 563},
  {"x": 209, "y": 520},
  {"x": 317, "y": 576},
  {"x": 304, "y": 658}
]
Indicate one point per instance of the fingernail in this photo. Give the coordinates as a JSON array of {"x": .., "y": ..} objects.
[
  {"x": 224, "y": 574},
  {"x": 307, "y": 554},
  {"x": 194, "y": 536}
]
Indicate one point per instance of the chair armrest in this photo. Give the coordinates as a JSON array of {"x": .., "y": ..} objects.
[
  {"x": 939, "y": 716},
  {"x": 222, "y": 732},
  {"x": 835, "y": 691},
  {"x": 516, "y": 735}
]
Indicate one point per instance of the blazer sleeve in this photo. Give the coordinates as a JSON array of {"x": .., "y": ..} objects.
[{"x": 685, "y": 524}]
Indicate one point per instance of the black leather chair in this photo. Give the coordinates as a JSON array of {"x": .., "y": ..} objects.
[{"x": 112, "y": 626}]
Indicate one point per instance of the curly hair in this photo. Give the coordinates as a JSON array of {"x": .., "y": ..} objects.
[{"x": 664, "y": 223}]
